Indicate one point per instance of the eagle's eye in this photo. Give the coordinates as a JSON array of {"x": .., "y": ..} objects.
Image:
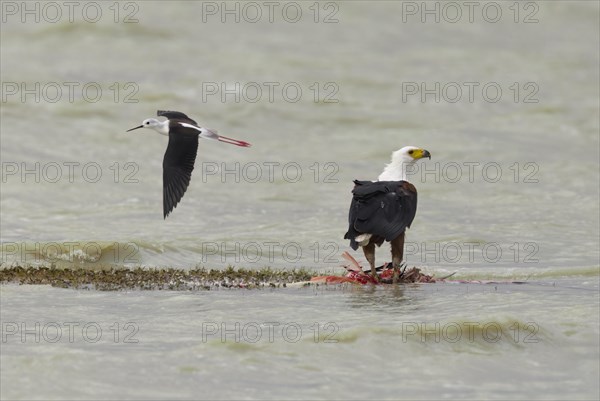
[{"x": 410, "y": 152}]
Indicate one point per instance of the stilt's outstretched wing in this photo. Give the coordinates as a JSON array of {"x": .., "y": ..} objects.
[
  {"x": 178, "y": 164},
  {"x": 174, "y": 115}
]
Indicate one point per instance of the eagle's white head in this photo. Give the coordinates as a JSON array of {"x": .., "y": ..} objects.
[{"x": 402, "y": 162}]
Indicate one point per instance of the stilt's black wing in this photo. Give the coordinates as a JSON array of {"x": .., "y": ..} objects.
[
  {"x": 174, "y": 115},
  {"x": 178, "y": 165},
  {"x": 381, "y": 208}
]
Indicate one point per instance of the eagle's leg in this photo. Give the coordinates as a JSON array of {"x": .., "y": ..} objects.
[
  {"x": 369, "y": 251},
  {"x": 397, "y": 254}
]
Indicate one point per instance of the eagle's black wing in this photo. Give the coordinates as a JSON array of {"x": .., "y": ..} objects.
[
  {"x": 382, "y": 208},
  {"x": 174, "y": 115},
  {"x": 178, "y": 164}
]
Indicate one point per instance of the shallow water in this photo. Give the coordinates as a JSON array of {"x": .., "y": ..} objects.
[
  {"x": 430, "y": 341},
  {"x": 510, "y": 194}
]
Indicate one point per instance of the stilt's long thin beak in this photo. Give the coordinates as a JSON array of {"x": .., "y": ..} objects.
[{"x": 141, "y": 126}]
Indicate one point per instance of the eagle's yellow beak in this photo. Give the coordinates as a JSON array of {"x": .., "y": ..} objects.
[{"x": 420, "y": 153}]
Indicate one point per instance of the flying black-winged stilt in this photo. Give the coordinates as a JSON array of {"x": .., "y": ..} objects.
[{"x": 178, "y": 162}]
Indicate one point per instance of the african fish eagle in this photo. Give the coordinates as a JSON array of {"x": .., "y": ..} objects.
[{"x": 382, "y": 210}]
